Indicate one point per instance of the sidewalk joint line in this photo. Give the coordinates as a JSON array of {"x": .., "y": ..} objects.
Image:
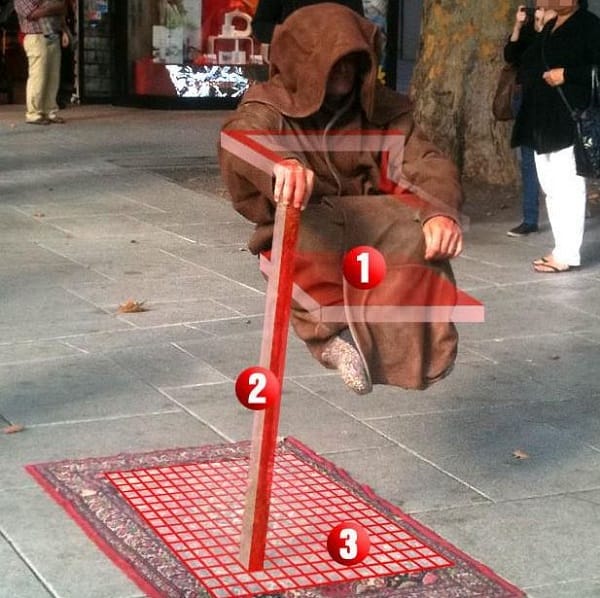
[
  {"x": 193, "y": 415},
  {"x": 27, "y": 562},
  {"x": 399, "y": 444}
]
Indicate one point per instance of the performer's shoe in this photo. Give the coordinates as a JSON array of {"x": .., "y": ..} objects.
[{"x": 343, "y": 356}]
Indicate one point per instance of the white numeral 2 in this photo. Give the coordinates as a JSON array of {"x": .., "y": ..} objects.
[{"x": 259, "y": 381}]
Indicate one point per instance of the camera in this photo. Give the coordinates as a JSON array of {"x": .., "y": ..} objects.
[{"x": 530, "y": 12}]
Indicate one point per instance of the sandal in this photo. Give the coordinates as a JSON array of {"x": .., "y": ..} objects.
[
  {"x": 542, "y": 261},
  {"x": 544, "y": 265}
]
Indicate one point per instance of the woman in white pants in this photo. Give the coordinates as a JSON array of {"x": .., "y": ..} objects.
[{"x": 561, "y": 55}]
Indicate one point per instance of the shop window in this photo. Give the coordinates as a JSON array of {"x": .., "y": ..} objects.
[{"x": 193, "y": 48}]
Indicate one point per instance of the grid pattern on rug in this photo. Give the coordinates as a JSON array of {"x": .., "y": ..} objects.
[{"x": 197, "y": 508}]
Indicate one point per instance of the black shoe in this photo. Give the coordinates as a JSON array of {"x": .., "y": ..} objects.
[{"x": 522, "y": 230}]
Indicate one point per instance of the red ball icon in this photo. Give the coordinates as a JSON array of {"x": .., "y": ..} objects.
[
  {"x": 364, "y": 267},
  {"x": 256, "y": 388},
  {"x": 348, "y": 543}
]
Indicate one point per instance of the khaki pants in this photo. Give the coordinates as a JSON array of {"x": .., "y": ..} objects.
[{"x": 43, "y": 57}]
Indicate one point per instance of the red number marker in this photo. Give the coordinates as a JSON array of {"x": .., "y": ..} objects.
[
  {"x": 256, "y": 388},
  {"x": 364, "y": 267},
  {"x": 348, "y": 543}
]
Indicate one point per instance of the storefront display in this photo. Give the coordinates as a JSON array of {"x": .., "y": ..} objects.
[
  {"x": 176, "y": 52},
  {"x": 192, "y": 49}
]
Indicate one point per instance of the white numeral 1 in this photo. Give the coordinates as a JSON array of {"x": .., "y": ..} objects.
[
  {"x": 363, "y": 258},
  {"x": 259, "y": 381},
  {"x": 350, "y": 536}
]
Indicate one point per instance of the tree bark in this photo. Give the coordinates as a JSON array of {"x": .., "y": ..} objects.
[{"x": 454, "y": 81}]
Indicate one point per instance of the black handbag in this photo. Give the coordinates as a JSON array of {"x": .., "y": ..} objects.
[{"x": 587, "y": 127}]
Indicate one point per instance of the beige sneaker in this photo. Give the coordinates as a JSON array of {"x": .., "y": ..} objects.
[{"x": 343, "y": 356}]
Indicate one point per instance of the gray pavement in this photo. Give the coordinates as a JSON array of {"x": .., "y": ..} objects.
[{"x": 114, "y": 205}]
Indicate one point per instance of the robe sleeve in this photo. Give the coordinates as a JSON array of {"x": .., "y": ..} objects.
[{"x": 424, "y": 172}]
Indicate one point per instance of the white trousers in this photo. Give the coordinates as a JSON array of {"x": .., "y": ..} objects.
[
  {"x": 43, "y": 80},
  {"x": 565, "y": 203}
]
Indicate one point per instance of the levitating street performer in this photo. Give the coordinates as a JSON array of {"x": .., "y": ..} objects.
[{"x": 349, "y": 152}]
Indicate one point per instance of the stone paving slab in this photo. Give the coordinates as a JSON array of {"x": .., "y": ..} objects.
[
  {"x": 122, "y": 258},
  {"x": 128, "y": 337},
  {"x": 310, "y": 420},
  {"x": 166, "y": 366},
  {"x": 542, "y": 542},
  {"x": 162, "y": 291},
  {"x": 17, "y": 578},
  {"x": 478, "y": 447},
  {"x": 567, "y": 589},
  {"x": 75, "y": 388},
  {"x": 89, "y": 573},
  {"x": 471, "y": 386},
  {"x": 405, "y": 479},
  {"x": 42, "y": 316}
]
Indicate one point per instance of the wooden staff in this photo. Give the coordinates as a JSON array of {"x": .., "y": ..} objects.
[{"x": 272, "y": 356}]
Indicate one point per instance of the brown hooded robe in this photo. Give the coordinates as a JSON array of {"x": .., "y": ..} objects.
[{"x": 352, "y": 203}]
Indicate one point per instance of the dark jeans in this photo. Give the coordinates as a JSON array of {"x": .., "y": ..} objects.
[{"x": 531, "y": 186}]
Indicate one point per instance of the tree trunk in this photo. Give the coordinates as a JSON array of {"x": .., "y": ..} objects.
[{"x": 454, "y": 81}]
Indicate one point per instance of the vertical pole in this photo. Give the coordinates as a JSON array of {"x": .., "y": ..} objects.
[{"x": 272, "y": 356}]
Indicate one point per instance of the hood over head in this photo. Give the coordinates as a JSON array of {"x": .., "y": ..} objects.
[{"x": 303, "y": 51}]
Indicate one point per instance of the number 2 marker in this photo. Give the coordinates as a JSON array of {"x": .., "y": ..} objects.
[{"x": 256, "y": 388}]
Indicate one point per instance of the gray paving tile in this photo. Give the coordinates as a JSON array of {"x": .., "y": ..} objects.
[
  {"x": 17, "y": 578},
  {"x": 110, "y": 226},
  {"x": 504, "y": 308},
  {"x": 65, "y": 203},
  {"x": 129, "y": 338},
  {"x": 229, "y": 261},
  {"x": 98, "y": 438},
  {"x": 35, "y": 351},
  {"x": 123, "y": 259},
  {"x": 166, "y": 366},
  {"x": 542, "y": 542},
  {"x": 560, "y": 362},
  {"x": 477, "y": 446},
  {"x": 473, "y": 385},
  {"x": 51, "y": 313},
  {"x": 405, "y": 480},
  {"x": 231, "y": 326},
  {"x": 240, "y": 351},
  {"x": 51, "y": 539},
  {"x": 566, "y": 589},
  {"x": 303, "y": 416},
  {"x": 160, "y": 313},
  {"x": 111, "y": 294},
  {"x": 17, "y": 228},
  {"x": 73, "y": 388}
]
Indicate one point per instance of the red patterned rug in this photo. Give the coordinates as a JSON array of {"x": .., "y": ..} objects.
[{"x": 171, "y": 520}]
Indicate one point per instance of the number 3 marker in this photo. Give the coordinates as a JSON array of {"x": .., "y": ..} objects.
[
  {"x": 348, "y": 543},
  {"x": 256, "y": 388}
]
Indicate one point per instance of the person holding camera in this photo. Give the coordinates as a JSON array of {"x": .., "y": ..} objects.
[
  {"x": 561, "y": 55},
  {"x": 527, "y": 23}
]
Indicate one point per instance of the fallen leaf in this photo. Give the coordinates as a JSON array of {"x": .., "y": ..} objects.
[
  {"x": 13, "y": 429},
  {"x": 132, "y": 307},
  {"x": 519, "y": 454}
]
